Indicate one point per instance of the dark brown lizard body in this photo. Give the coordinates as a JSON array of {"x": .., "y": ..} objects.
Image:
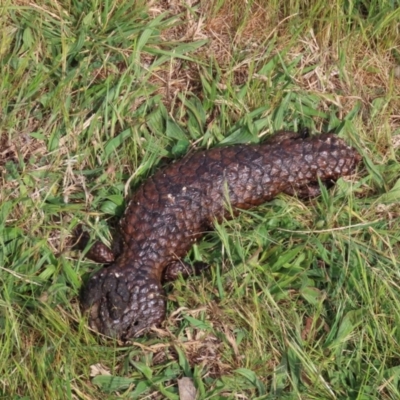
[{"x": 174, "y": 208}]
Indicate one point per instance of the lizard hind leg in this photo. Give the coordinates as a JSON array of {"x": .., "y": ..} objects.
[
  {"x": 280, "y": 136},
  {"x": 179, "y": 267}
]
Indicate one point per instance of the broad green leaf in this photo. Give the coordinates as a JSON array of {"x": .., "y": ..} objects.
[
  {"x": 113, "y": 144},
  {"x": 392, "y": 196},
  {"x": 197, "y": 323},
  {"x": 144, "y": 369},
  {"x": 112, "y": 383},
  {"x": 313, "y": 295},
  {"x": 252, "y": 377}
]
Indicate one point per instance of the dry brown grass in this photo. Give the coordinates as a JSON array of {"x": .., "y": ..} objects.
[
  {"x": 238, "y": 35},
  {"x": 234, "y": 34}
]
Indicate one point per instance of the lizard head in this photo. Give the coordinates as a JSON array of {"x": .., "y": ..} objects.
[{"x": 122, "y": 304}]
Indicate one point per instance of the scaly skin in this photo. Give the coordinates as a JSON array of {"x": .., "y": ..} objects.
[{"x": 173, "y": 209}]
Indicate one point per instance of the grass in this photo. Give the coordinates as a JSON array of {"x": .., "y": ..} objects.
[{"x": 303, "y": 298}]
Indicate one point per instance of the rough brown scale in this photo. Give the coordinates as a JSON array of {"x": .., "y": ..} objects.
[{"x": 173, "y": 208}]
